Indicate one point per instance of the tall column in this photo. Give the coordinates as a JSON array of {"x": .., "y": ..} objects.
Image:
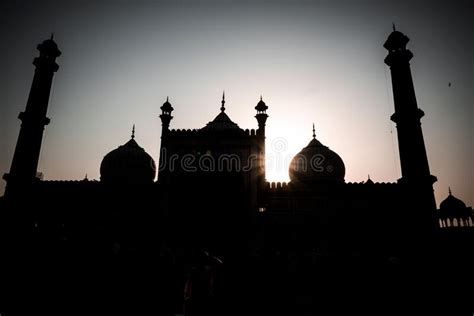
[
  {"x": 165, "y": 116},
  {"x": 262, "y": 119},
  {"x": 26, "y": 156},
  {"x": 416, "y": 181}
]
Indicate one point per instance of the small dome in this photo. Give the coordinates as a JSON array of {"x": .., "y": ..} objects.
[
  {"x": 221, "y": 123},
  {"x": 395, "y": 41},
  {"x": 261, "y": 106},
  {"x": 317, "y": 162},
  {"x": 453, "y": 207},
  {"x": 49, "y": 48},
  {"x": 128, "y": 163},
  {"x": 166, "y": 107},
  {"x": 452, "y": 203}
]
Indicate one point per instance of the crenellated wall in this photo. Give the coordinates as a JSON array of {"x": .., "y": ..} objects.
[
  {"x": 291, "y": 196},
  {"x": 188, "y": 132}
]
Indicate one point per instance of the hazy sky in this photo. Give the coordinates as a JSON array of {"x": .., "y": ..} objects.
[{"x": 313, "y": 61}]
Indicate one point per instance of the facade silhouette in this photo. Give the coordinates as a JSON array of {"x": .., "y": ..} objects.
[{"x": 212, "y": 237}]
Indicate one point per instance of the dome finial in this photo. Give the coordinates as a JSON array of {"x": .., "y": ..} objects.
[
  {"x": 167, "y": 99},
  {"x": 261, "y": 99},
  {"x": 223, "y": 101},
  {"x": 368, "y": 177},
  {"x": 133, "y": 131},
  {"x": 314, "y": 132},
  {"x": 393, "y": 26},
  {"x": 449, "y": 189}
]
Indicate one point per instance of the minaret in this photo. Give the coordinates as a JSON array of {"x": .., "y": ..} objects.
[
  {"x": 413, "y": 159},
  {"x": 25, "y": 159},
  {"x": 261, "y": 116},
  {"x": 262, "y": 119},
  {"x": 165, "y": 116}
]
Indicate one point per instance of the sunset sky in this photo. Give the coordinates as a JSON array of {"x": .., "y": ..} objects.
[{"x": 313, "y": 61}]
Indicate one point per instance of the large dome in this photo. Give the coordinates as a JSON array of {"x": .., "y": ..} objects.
[
  {"x": 128, "y": 163},
  {"x": 315, "y": 163}
]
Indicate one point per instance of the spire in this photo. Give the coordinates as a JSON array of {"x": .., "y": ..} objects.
[
  {"x": 261, "y": 98},
  {"x": 314, "y": 132},
  {"x": 449, "y": 189},
  {"x": 369, "y": 181},
  {"x": 393, "y": 27},
  {"x": 223, "y": 101},
  {"x": 133, "y": 131},
  {"x": 167, "y": 99},
  {"x": 52, "y": 36}
]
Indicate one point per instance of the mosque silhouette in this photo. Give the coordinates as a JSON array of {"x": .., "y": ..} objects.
[{"x": 212, "y": 237}]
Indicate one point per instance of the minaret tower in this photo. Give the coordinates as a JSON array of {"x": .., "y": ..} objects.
[
  {"x": 261, "y": 119},
  {"x": 413, "y": 159},
  {"x": 33, "y": 120},
  {"x": 165, "y": 116},
  {"x": 261, "y": 116}
]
